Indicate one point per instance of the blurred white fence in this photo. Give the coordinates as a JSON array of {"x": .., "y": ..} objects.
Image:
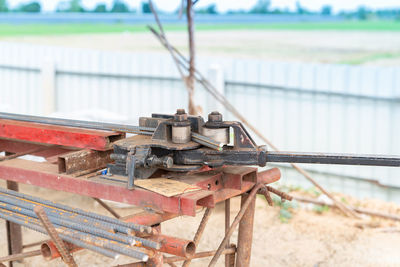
[{"x": 300, "y": 107}]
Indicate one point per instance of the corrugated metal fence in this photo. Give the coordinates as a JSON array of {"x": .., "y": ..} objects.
[{"x": 303, "y": 107}]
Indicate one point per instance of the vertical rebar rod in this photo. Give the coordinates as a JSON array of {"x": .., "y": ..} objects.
[
  {"x": 65, "y": 254},
  {"x": 190, "y": 78},
  {"x": 232, "y": 228},
  {"x": 245, "y": 236},
  {"x": 14, "y": 233},
  {"x": 227, "y": 224},
  {"x": 199, "y": 232},
  {"x": 108, "y": 208}
]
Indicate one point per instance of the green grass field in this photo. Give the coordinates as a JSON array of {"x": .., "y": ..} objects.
[{"x": 60, "y": 29}]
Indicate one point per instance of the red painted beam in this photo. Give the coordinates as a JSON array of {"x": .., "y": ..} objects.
[
  {"x": 45, "y": 175},
  {"x": 58, "y": 135}
]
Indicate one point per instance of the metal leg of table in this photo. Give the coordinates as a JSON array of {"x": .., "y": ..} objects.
[{"x": 245, "y": 237}]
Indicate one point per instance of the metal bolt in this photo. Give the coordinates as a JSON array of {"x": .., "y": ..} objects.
[
  {"x": 215, "y": 116},
  {"x": 180, "y": 115}
]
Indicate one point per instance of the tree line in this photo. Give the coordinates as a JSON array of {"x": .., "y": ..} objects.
[
  {"x": 118, "y": 6},
  {"x": 261, "y": 7}
]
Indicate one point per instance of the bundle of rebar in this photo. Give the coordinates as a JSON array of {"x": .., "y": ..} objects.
[{"x": 104, "y": 235}]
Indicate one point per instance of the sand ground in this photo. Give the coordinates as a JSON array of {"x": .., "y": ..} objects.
[{"x": 308, "y": 239}]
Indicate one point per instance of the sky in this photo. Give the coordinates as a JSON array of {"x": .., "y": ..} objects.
[{"x": 225, "y": 5}]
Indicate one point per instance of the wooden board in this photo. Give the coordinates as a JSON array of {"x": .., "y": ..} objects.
[{"x": 166, "y": 187}]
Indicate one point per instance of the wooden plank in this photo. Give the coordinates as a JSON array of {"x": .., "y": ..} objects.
[{"x": 166, "y": 187}]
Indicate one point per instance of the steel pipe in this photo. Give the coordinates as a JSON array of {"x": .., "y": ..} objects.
[
  {"x": 49, "y": 250},
  {"x": 175, "y": 246}
]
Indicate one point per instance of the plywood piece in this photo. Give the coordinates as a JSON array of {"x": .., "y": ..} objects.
[{"x": 166, "y": 187}]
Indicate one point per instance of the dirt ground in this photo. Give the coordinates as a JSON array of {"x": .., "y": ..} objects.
[
  {"x": 354, "y": 47},
  {"x": 307, "y": 239}
]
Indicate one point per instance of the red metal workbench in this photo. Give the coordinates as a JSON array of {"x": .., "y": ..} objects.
[{"x": 55, "y": 143}]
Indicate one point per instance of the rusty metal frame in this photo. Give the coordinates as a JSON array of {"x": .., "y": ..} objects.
[{"x": 218, "y": 185}]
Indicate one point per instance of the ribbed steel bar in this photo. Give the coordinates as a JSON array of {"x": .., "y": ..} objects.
[
  {"x": 65, "y": 215},
  {"x": 26, "y": 208},
  {"x": 73, "y": 225},
  {"x": 136, "y": 227},
  {"x": 105, "y": 244},
  {"x": 11, "y": 216},
  {"x": 206, "y": 141},
  {"x": 108, "y": 208},
  {"x": 51, "y": 231},
  {"x": 21, "y": 256}
]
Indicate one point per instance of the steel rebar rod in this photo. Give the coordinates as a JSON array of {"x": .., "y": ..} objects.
[
  {"x": 198, "y": 255},
  {"x": 227, "y": 224},
  {"x": 108, "y": 208},
  {"x": 10, "y": 216},
  {"x": 51, "y": 231},
  {"x": 27, "y": 209},
  {"x": 34, "y": 244},
  {"x": 133, "y": 226},
  {"x": 65, "y": 215},
  {"x": 97, "y": 242},
  {"x": 71, "y": 224},
  {"x": 21, "y": 256}
]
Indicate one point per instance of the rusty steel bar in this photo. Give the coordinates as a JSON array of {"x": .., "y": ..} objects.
[
  {"x": 231, "y": 260},
  {"x": 20, "y": 256},
  {"x": 16, "y": 155},
  {"x": 238, "y": 217},
  {"x": 108, "y": 208},
  {"x": 199, "y": 232},
  {"x": 91, "y": 215},
  {"x": 52, "y": 232},
  {"x": 264, "y": 191},
  {"x": 64, "y": 215},
  {"x": 35, "y": 225},
  {"x": 227, "y": 224},
  {"x": 34, "y": 244},
  {"x": 14, "y": 233},
  {"x": 279, "y": 193},
  {"x": 245, "y": 236},
  {"x": 204, "y": 254},
  {"x": 73, "y": 224}
]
